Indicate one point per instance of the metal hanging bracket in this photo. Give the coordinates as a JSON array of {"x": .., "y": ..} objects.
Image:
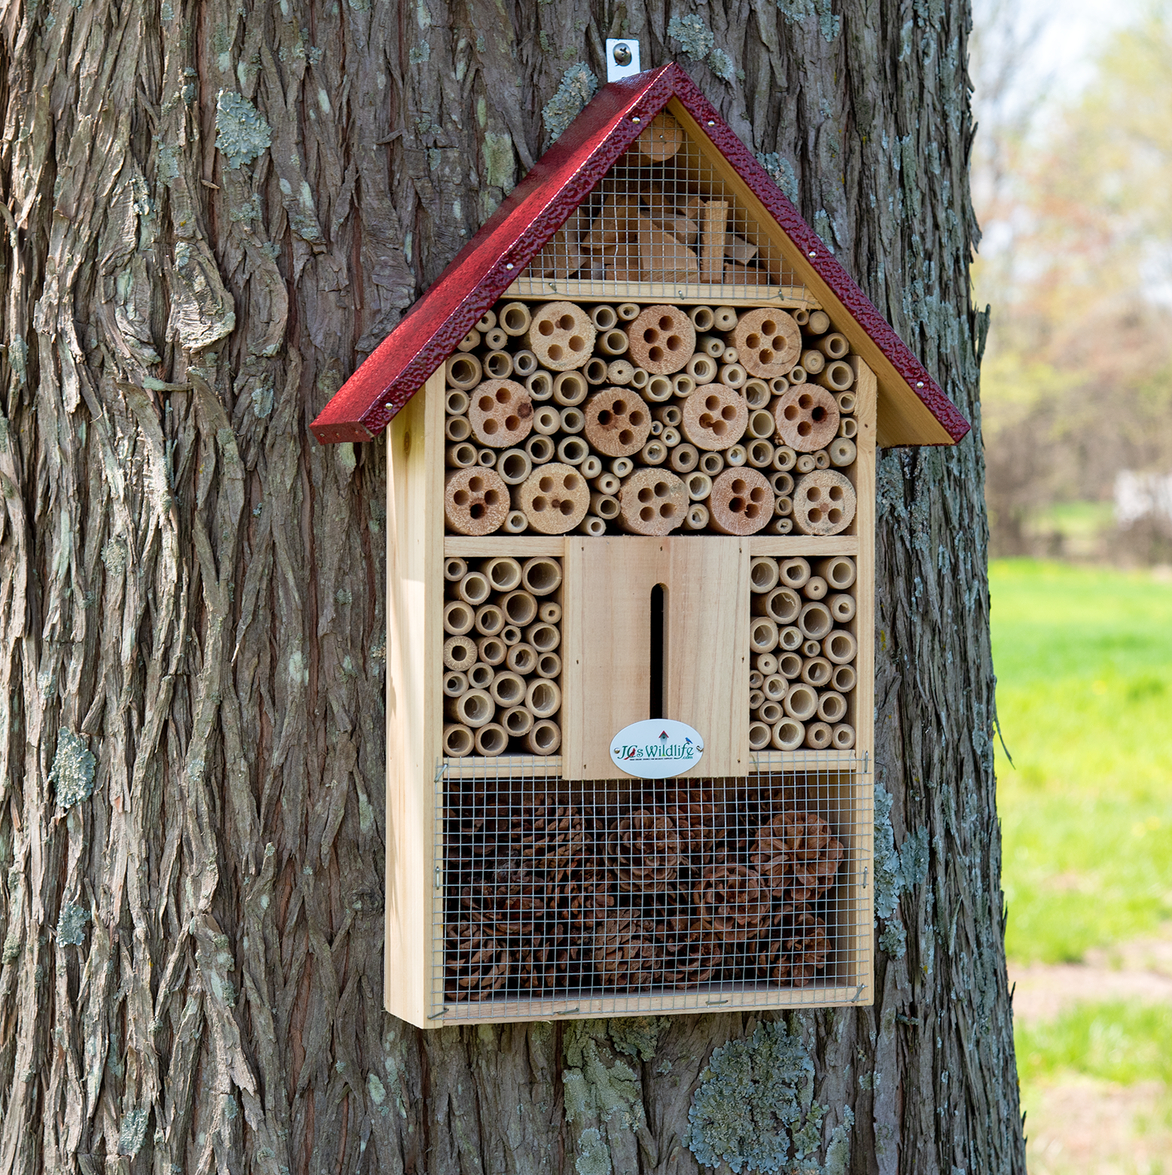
[{"x": 622, "y": 58}]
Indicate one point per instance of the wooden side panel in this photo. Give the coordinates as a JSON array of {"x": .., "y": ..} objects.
[
  {"x": 415, "y": 471},
  {"x": 706, "y": 683}
]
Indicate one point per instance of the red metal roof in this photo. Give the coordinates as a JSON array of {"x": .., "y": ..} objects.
[{"x": 539, "y": 205}]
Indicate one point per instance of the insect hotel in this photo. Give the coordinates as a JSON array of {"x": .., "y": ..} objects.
[{"x": 630, "y": 567}]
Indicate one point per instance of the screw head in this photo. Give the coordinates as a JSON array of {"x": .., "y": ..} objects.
[{"x": 622, "y": 54}]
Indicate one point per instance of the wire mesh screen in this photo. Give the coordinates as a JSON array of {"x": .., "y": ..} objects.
[
  {"x": 663, "y": 215},
  {"x": 612, "y": 897}
]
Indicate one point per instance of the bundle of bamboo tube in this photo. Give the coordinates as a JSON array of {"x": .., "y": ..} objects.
[
  {"x": 502, "y": 668},
  {"x": 569, "y": 892},
  {"x": 803, "y": 650},
  {"x": 559, "y": 416}
]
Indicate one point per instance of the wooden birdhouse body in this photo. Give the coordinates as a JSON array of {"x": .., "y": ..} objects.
[{"x": 637, "y": 482}]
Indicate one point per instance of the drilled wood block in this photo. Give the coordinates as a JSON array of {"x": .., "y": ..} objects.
[
  {"x": 652, "y": 502},
  {"x": 824, "y": 502},
  {"x": 741, "y": 502},
  {"x": 476, "y": 501},
  {"x": 662, "y": 139},
  {"x": 714, "y": 417},
  {"x": 554, "y": 498},
  {"x": 501, "y": 413},
  {"x": 662, "y": 340},
  {"x": 768, "y": 342},
  {"x": 618, "y": 422},
  {"x": 663, "y": 257},
  {"x": 807, "y": 418},
  {"x": 561, "y": 335}
]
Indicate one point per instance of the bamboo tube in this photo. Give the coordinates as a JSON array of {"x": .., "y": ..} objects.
[
  {"x": 470, "y": 341},
  {"x": 473, "y": 708},
  {"x": 514, "y": 466},
  {"x": 814, "y": 588},
  {"x": 515, "y": 521},
  {"x": 701, "y": 317},
  {"x": 539, "y": 385},
  {"x": 671, "y": 438},
  {"x": 667, "y": 414},
  {"x": 844, "y": 678},
  {"x": 543, "y": 697},
  {"x": 760, "y": 454},
  {"x": 541, "y": 575},
  {"x": 683, "y": 458},
  {"x": 842, "y": 736},
  {"x": 697, "y": 517},
  {"x": 811, "y": 648},
  {"x": 782, "y": 483},
  {"x": 833, "y": 346},
  {"x": 550, "y": 612},
  {"x": 698, "y": 486},
  {"x": 614, "y": 342},
  {"x": 768, "y": 342},
  {"x": 789, "y": 665},
  {"x": 765, "y": 664},
  {"x": 783, "y": 604},
  {"x": 712, "y": 463},
  {"x": 617, "y": 422},
  {"x": 824, "y": 502},
  {"x": 491, "y": 650},
  {"x": 846, "y": 403},
  {"x": 652, "y": 501},
  {"x": 733, "y": 375},
  {"x": 561, "y": 335},
  {"x": 570, "y": 388},
  {"x": 762, "y": 635},
  {"x": 789, "y": 638},
  {"x": 757, "y": 395},
  {"x": 603, "y": 316},
  {"x": 736, "y": 455},
  {"x": 491, "y": 740},
  {"x": 848, "y": 427},
  {"x": 573, "y": 450},
  {"x": 474, "y": 588},
  {"x": 837, "y": 376},
  {"x": 461, "y": 456},
  {"x": 463, "y": 372},
  {"x": 489, "y": 621},
  {"x": 783, "y": 507},
  {"x": 487, "y": 321},
  {"x": 621, "y": 466},
  {"x": 801, "y": 702},
  {"x": 547, "y": 421},
  {"x": 544, "y": 738},
  {"x": 604, "y": 506},
  {"x": 801, "y": 317},
  {"x": 595, "y": 371},
  {"x": 458, "y": 618},
  {"x": 769, "y": 712},
  {"x": 703, "y": 369},
  {"x": 606, "y": 483},
  {"x": 454, "y": 684},
  {"x": 511, "y": 635},
  {"x": 658, "y": 388},
  {"x": 755, "y": 677},
  {"x": 457, "y": 428},
  {"x": 682, "y": 385},
  {"x": 805, "y": 463},
  {"x": 519, "y": 606},
  {"x": 544, "y": 638},
  {"x": 760, "y": 426},
  {"x": 759, "y": 735},
  {"x": 815, "y": 621},
  {"x": 549, "y": 665},
  {"x": 455, "y": 569},
  {"x": 524, "y": 363},
  {"x": 455, "y": 403},
  {"x": 521, "y": 659},
  {"x": 591, "y": 467},
  {"x": 818, "y": 322},
  {"x": 480, "y": 675},
  {"x": 818, "y": 735},
  {"x": 724, "y": 318},
  {"x": 741, "y": 502},
  {"x": 662, "y": 339},
  {"x": 842, "y": 607},
  {"x": 762, "y": 574},
  {"x": 508, "y": 690},
  {"x": 788, "y": 735},
  {"x": 812, "y": 361},
  {"x": 619, "y": 372},
  {"x": 714, "y": 417},
  {"x": 795, "y": 571},
  {"x": 729, "y": 355},
  {"x": 709, "y": 345},
  {"x": 806, "y": 417},
  {"x": 540, "y": 448},
  {"x": 502, "y": 573},
  {"x": 514, "y": 318},
  {"x": 458, "y": 741},
  {"x": 775, "y": 687},
  {"x": 817, "y": 671},
  {"x": 486, "y": 458},
  {"x": 495, "y": 339},
  {"x": 784, "y": 458},
  {"x": 627, "y": 311},
  {"x": 517, "y": 721},
  {"x": 840, "y": 647},
  {"x": 841, "y": 452},
  {"x": 831, "y": 707},
  {"x": 838, "y": 570},
  {"x": 653, "y": 453},
  {"x": 573, "y": 420}
]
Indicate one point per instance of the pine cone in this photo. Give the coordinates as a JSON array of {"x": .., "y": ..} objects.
[
  {"x": 627, "y": 955},
  {"x": 551, "y": 836},
  {"x": 695, "y": 952},
  {"x": 590, "y": 897},
  {"x": 798, "y": 852},
  {"x": 513, "y": 897},
  {"x": 797, "y": 950},
  {"x": 700, "y": 820},
  {"x": 645, "y": 849},
  {"x": 476, "y": 961},
  {"x": 733, "y": 901},
  {"x": 547, "y": 967}
]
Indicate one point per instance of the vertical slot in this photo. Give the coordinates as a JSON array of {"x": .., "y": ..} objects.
[{"x": 655, "y": 661}]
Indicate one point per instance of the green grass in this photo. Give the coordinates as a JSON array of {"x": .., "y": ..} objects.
[{"x": 1084, "y": 665}]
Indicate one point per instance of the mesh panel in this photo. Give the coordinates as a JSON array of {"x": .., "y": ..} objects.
[{"x": 614, "y": 897}]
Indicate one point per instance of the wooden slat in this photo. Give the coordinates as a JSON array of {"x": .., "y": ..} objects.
[
  {"x": 787, "y": 545},
  {"x": 504, "y": 767},
  {"x": 518, "y": 545},
  {"x": 415, "y": 469},
  {"x": 783, "y": 297}
]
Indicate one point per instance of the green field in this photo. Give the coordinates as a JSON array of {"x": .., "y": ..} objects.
[{"x": 1084, "y": 665}]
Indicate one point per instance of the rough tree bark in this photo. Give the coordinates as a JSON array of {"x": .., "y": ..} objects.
[{"x": 212, "y": 211}]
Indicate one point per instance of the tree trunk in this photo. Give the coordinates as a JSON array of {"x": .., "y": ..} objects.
[{"x": 213, "y": 211}]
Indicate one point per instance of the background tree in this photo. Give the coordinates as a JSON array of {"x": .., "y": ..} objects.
[{"x": 212, "y": 212}]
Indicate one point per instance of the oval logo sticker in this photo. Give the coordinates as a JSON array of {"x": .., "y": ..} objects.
[{"x": 656, "y": 748}]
